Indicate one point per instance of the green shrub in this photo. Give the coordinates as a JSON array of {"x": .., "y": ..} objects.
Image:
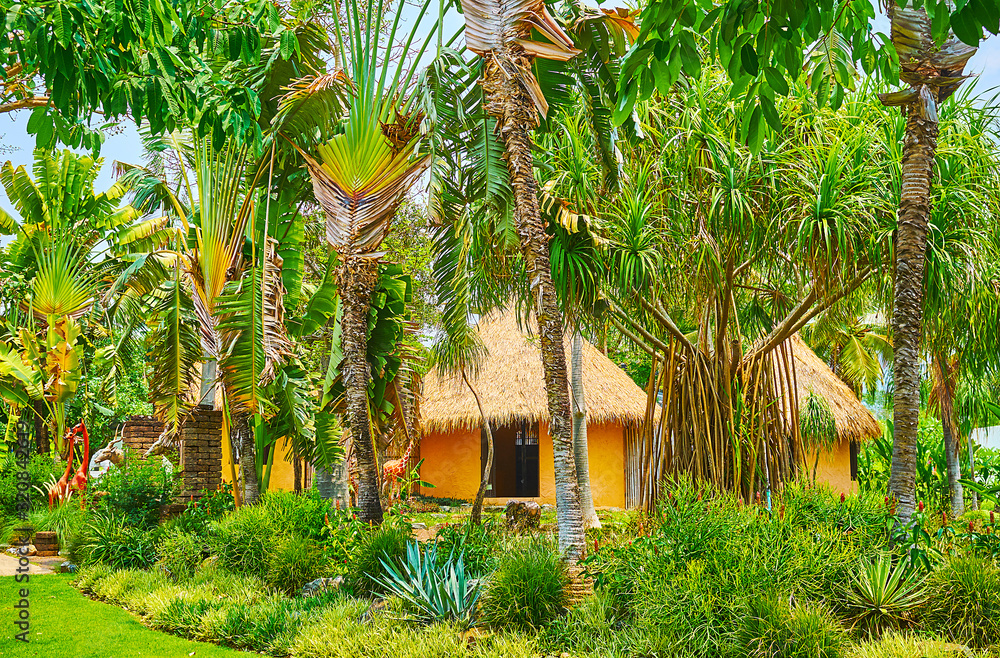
[
  {"x": 41, "y": 470},
  {"x": 592, "y": 626},
  {"x": 138, "y": 490},
  {"x": 341, "y": 535},
  {"x": 294, "y": 563},
  {"x": 528, "y": 588},
  {"x": 246, "y": 538},
  {"x": 112, "y": 540},
  {"x": 365, "y": 566},
  {"x": 179, "y": 554},
  {"x": 963, "y": 601},
  {"x": 297, "y": 514},
  {"x": 64, "y": 519},
  {"x": 773, "y": 629},
  {"x": 87, "y": 577},
  {"x": 815, "y": 633},
  {"x": 899, "y": 645},
  {"x": 479, "y": 545},
  {"x": 765, "y": 630},
  {"x": 338, "y": 633}
]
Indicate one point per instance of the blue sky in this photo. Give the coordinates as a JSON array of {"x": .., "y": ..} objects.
[{"x": 126, "y": 146}]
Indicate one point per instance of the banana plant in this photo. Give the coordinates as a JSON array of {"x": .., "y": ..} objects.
[{"x": 68, "y": 240}]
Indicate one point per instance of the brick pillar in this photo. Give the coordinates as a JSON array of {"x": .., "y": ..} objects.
[
  {"x": 141, "y": 432},
  {"x": 201, "y": 452},
  {"x": 200, "y": 447}
]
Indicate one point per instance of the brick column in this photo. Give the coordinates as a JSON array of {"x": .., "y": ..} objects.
[{"x": 200, "y": 448}]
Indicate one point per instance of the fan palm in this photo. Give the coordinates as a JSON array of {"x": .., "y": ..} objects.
[
  {"x": 68, "y": 239},
  {"x": 360, "y": 176}
]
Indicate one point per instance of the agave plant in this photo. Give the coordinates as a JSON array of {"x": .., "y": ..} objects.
[
  {"x": 434, "y": 592},
  {"x": 882, "y": 595}
]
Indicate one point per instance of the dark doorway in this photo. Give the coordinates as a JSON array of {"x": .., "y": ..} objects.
[{"x": 515, "y": 460}]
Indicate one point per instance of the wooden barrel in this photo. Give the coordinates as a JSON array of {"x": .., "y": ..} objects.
[{"x": 47, "y": 544}]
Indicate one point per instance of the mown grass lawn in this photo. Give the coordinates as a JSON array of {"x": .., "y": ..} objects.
[{"x": 66, "y": 624}]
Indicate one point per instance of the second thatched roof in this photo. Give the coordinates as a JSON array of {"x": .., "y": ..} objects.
[
  {"x": 854, "y": 421},
  {"x": 511, "y": 387}
]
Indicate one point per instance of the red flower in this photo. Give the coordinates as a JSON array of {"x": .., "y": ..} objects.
[
  {"x": 944, "y": 518},
  {"x": 991, "y": 517},
  {"x": 972, "y": 527},
  {"x": 842, "y": 498},
  {"x": 920, "y": 506},
  {"x": 595, "y": 546}
]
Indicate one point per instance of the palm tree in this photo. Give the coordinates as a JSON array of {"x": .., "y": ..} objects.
[
  {"x": 360, "y": 176},
  {"x": 577, "y": 269},
  {"x": 958, "y": 287},
  {"x": 933, "y": 72},
  {"x": 500, "y": 33}
]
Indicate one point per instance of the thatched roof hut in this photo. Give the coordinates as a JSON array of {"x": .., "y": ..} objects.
[
  {"x": 511, "y": 387},
  {"x": 854, "y": 421}
]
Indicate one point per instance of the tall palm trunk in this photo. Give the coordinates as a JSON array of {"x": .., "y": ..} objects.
[
  {"x": 248, "y": 460},
  {"x": 933, "y": 72},
  {"x": 477, "y": 506},
  {"x": 947, "y": 400},
  {"x": 581, "y": 453},
  {"x": 919, "y": 147},
  {"x": 509, "y": 102},
  {"x": 358, "y": 279}
]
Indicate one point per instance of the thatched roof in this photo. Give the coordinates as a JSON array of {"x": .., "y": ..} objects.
[
  {"x": 854, "y": 421},
  {"x": 511, "y": 387}
]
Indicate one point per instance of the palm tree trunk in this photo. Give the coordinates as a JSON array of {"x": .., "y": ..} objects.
[
  {"x": 580, "y": 450},
  {"x": 508, "y": 101},
  {"x": 950, "y": 433},
  {"x": 972, "y": 472},
  {"x": 248, "y": 460},
  {"x": 919, "y": 146},
  {"x": 297, "y": 473},
  {"x": 477, "y": 506},
  {"x": 358, "y": 278}
]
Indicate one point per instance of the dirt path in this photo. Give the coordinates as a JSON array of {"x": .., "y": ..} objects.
[{"x": 9, "y": 566}]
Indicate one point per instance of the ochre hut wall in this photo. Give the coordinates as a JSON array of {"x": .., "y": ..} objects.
[
  {"x": 452, "y": 464},
  {"x": 834, "y": 468}
]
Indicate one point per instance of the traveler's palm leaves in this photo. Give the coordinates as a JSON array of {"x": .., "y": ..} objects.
[{"x": 359, "y": 179}]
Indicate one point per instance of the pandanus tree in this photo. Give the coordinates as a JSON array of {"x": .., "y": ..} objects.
[
  {"x": 360, "y": 176},
  {"x": 741, "y": 260},
  {"x": 763, "y": 46}
]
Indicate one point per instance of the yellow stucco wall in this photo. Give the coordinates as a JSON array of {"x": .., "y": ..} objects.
[
  {"x": 282, "y": 474},
  {"x": 452, "y": 464},
  {"x": 834, "y": 468}
]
